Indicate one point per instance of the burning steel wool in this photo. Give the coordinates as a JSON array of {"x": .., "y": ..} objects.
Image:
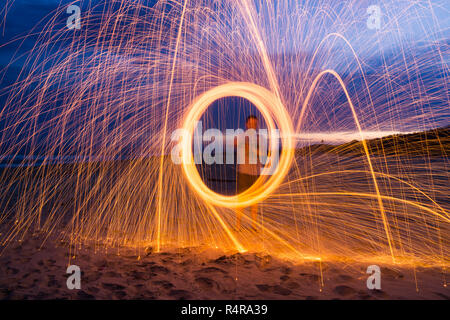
[{"x": 86, "y": 129}]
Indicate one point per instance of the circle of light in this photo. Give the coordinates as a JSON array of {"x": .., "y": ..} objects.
[{"x": 271, "y": 108}]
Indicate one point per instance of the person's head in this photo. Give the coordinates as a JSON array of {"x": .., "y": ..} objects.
[{"x": 251, "y": 122}]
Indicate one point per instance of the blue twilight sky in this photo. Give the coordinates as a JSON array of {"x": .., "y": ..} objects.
[{"x": 407, "y": 22}]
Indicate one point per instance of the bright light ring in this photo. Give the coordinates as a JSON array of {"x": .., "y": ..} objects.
[{"x": 272, "y": 109}]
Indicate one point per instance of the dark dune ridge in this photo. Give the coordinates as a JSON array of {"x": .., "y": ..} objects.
[{"x": 435, "y": 142}]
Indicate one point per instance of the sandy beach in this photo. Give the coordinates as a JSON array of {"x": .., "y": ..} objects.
[{"x": 31, "y": 270}]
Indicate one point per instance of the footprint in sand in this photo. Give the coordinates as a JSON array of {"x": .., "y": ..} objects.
[
  {"x": 443, "y": 296},
  {"x": 284, "y": 278},
  {"x": 49, "y": 262},
  {"x": 4, "y": 293},
  {"x": 286, "y": 270},
  {"x": 163, "y": 283},
  {"x": 263, "y": 262},
  {"x": 263, "y": 287},
  {"x": 187, "y": 262},
  {"x": 146, "y": 295},
  {"x": 101, "y": 264},
  {"x": 138, "y": 275},
  {"x": 344, "y": 291},
  {"x": 93, "y": 289},
  {"x": 281, "y": 290},
  {"x": 206, "y": 283},
  {"x": 344, "y": 278},
  {"x": 84, "y": 296},
  {"x": 11, "y": 270},
  {"x": 391, "y": 274},
  {"x": 211, "y": 270},
  {"x": 380, "y": 294},
  {"x": 85, "y": 258},
  {"x": 93, "y": 277},
  {"x": 235, "y": 259},
  {"x": 159, "y": 269},
  {"x": 120, "y": 294},
  {"x": 52, "y": 283},
  {"x": 292, "y": 285},
  {"x": 310, "y": 277},
  {"x": 274, "y": 289},
  {"x": 113, "y": 286},
  {"x": 112, "y": 274},
  {"x": 180, "y": 294},
  {"x": 365, "y": 296}
]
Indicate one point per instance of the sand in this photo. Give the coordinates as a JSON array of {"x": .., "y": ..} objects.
[{"x": 30, "y": 270}]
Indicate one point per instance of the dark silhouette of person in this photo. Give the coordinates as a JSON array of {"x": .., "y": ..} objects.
[{"x": 248, "y": 169}]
